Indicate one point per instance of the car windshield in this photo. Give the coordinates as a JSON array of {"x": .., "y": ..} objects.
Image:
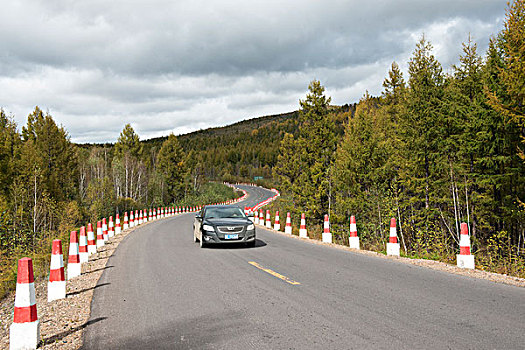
[{"x": 226, "y": 212}]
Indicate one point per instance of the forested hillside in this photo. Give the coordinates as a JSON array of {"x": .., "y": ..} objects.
[{"x": 434, "y": 150}]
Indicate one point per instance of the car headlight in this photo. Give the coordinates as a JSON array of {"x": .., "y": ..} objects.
[
  {"x": 208, "y": 228},
  {"x": 250, "y": 227}
]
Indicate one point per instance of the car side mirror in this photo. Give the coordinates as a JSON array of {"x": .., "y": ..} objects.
[{"x": 198, "y": 216}]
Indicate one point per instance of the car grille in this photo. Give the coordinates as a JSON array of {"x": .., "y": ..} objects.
[{"x": 230, "y": 229}]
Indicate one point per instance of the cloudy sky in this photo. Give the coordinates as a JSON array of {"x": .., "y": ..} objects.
[{"x": 179, "y": 66}]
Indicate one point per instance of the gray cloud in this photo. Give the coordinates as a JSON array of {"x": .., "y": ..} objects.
[{"x": 180, "y": 66}]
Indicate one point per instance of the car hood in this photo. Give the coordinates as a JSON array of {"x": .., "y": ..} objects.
[{"x": 227, "y": 221}]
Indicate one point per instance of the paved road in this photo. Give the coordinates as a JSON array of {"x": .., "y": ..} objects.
[{"x": 161, "y": 291}]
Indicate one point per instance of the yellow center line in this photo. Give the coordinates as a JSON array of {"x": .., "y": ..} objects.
[{"x": 273, "y": 273}]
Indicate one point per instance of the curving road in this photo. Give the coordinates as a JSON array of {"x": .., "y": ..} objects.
[{"x": 161, "y": 291}]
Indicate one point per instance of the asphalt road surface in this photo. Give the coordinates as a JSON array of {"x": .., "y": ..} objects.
[{"x": 161, "y": 291}]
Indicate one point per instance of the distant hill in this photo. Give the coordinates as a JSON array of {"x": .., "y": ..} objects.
[
  {"x": 239, "y": 127},
  {"x": 242, "y": 150}
]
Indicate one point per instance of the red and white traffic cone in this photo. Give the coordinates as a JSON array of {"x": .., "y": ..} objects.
[
  {"x": 261, "y": 218},
  {"x": 141, "y": 221},
  {"x": 327, "y": 236},
  {"x": 126, "y": 221},
  {"x": 150, "y": 215},
  {"x": 288, "y": 227},
  {"x": 105, "y": 230},
  {"x": 100, "y": 235},
  {"x": 111, "y": 230},
  {"x": 353, "y": 240},
  {"x": 82, "y": 246},
  {"x": 24, "y": 333},
  {"x": 136, "y": 221},
  {"x": 73, "y": 261},
  {"x": 118, "y": 229},
  {"x": 302, "y": 229},
  {"x": 131, "y": 219},
  {"x": 277, "y": 224},
  {"x": 465, "y": 260},
  {"x": 392, "y": 247},
  {"x": 92, "y": 245},
  {"x": 268, "y": 221},
  {"x": 56, "y": 287}
]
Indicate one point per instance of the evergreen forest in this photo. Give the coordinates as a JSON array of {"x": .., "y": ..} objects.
[{"x": 434, "y": 150}]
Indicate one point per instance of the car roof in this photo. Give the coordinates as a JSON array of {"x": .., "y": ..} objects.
[{"x": 222, "y": 206}]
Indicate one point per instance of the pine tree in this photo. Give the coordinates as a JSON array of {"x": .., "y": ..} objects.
[
  {"x": 287, "y": 168},
  {"x": 394, "y": 86},
  {"x": 512, "y": 74},
  {"x": 128, "y": 143},
  {"x": 171, "y": 164},
  {"x": 55, "y": 155},
  {"x": 500, "y": 134},
  {"x": 421, "y": 123},
  {"x": 130, "y": 180},
  {"x": 315, "y": 147},
  {"x": 9, "y": 141}
]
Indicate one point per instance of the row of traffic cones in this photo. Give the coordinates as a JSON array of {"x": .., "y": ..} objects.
[
  {"x": 464, "y": 258},
  {"x": 24, "y": 333}
]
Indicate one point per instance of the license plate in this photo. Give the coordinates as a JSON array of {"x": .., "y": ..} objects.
[{"x": 235, "y": 236}]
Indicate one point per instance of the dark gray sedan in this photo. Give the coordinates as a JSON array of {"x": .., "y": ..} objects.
[{"x": 223, "y": 224}]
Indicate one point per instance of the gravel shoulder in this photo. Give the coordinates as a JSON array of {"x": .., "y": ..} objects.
[{"x": 62, "y": 322}]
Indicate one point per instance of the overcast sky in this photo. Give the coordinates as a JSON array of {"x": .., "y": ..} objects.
[{"x": 179, "y": 66}]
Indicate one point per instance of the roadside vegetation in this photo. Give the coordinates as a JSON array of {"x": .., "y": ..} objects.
[{"x": 434, "y": 150}]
